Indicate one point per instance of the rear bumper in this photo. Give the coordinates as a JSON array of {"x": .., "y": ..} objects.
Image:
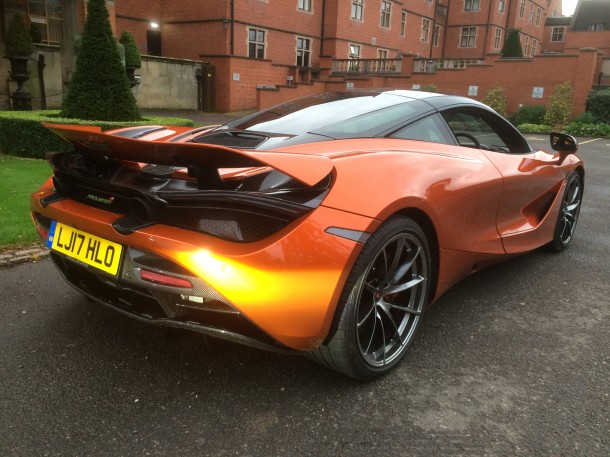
[{"x": 279, "y": 293}]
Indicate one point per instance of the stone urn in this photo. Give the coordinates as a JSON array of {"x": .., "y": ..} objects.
[{"x": 22, "y": 100}]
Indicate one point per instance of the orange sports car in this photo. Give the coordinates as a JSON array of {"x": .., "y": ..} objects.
[{"x": 325, "y": 225}]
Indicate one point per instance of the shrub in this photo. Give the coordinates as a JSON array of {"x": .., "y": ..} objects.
[
  {"x": 529, "y": 115},
  {"x": 559, "y": 111},
  {"x": 21, "y": 133},
  {"x": 496, "y": 99},
  {"x": 18, "y": 39},
  {"x": 534, "y": 128},
  {"x": 598, "y": 104},
  {"x": 594, "y": 130},
  {"x": 585, "y": 118},
  {"x": 512, "y": 44},
  {"x": 429, "y": 88},
  {"x": 99, "y": 88},
  {"x": 132, "y": 53}
]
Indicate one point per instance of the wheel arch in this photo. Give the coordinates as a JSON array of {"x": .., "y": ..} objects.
[{"x": 425, "y": 222}]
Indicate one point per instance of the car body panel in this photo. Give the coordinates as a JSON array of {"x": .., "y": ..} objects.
[{"x": 478, "y": 206}]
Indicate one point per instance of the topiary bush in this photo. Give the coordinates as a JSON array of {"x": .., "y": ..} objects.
[
  {"x": 133, "y": 58},
  {"x": 529, "y": 115},
  {"x": 21, "y": 133},
  {"x": 598, "y": 104},
  {"x": 496, "y": 98},
  {"x": 512, "y": 44},
  {"x": 18, "y": 40},
  {"x": 99, "y": 88},
  {"x": 559, "y": 110}
]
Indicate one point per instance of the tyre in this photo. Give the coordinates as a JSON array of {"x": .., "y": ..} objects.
[
  {"x": 382, "y": 302},
  {"x": 568, "y": 213}
]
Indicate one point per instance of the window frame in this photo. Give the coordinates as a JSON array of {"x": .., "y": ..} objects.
[
  {"x": 436, "y": 35},
  {"x": 501, "y": 6},
  {"x": 305, "y": 6},
  {"x": 538, "y": 16},
  {"x": 306, "y": 52},
  {"x": 468, "y": 36},
  {"x": 425, "y": 29},
  {"x": 257, "y": 43},
  {"x": 357, "y": 11},
  {"x": 385, "y": 17},
  {"x": 472, "y": 5},
  {"x": 522, "y": 9},
  {"x": 403, "y": 23},
  {"x": 558, "y": 32},
  {"x": 498, "y": 38}
]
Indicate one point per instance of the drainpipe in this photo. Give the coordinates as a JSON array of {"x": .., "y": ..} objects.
[
  {"x": 322, "y": 28},
  {"x": 433, "y": 26},
  {"x": 445, "y": 31},
  {"x": 487, "y": 29},
  {"x": 232, "y": 26}
]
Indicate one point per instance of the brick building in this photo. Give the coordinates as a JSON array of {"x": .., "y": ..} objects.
[{"x": 265, "y": 51}]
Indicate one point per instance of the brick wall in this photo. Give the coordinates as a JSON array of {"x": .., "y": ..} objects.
[{"x": 518, "y": 78}]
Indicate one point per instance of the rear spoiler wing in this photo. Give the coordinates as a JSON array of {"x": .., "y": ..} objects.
[{"x": 309, "y": 169}]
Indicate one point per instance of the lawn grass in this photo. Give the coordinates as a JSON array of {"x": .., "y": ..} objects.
[{"x": 18, "y": 179}]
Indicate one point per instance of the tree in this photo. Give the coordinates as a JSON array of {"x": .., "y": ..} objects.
[
  {"x": 99, "y": 88},
  {"x": 559, "y": 111},
  {"x": 496, "y": 98},
  {"x": 512, "y": 44},
  {"x": 132, "y": 53}
]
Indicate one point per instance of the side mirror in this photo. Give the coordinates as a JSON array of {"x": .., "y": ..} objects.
[{"x": 562, "y": 142}]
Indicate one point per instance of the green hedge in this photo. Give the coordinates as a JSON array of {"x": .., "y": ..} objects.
[
  {"x": 599, "y": 130},
  {"x": 534, "y": 128},
  {"x": 21, "y": 133}
]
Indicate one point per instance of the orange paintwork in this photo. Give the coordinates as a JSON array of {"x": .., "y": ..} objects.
[{"x": 483, "y": 205}]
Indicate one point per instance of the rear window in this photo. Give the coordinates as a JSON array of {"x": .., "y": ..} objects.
[{"x": 342, "y": 113}]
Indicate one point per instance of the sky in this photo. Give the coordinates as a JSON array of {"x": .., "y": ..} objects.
[{"x": 568, "y": 6}]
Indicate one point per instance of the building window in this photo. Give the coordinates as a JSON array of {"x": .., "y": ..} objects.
[
  {"x": 386, "y": 14},
  {"x": 303, "y": 52},
  {"x": 256, "y": 43},
  {"x": 538, "y": 14},
  {"x": 596, "y": 26},
  {"x": 498, "y": 38},
  {"x": 425, "y": 29},
  {"x": 357, "y": 9},
  {"x": 534, "y": 46},
  {"x": 531, "y": 16},
  {"x": 403, "y": 23},
  {"x": 501, "y": 5},
  {"x": 354, "y": 56},
  {"x": 469, "y": 37},
  {"x": 527, "y": 46},
  {"x": 304, "y": 5},
  {"x": 472, "y": 5},
  {"x": 522, "y": 9},
  {"x": 558, "y": 34},
  {"x": 46, "y": 17},
  {"x": 436, "y": 35},
  {"x": 382, "y": 62}
]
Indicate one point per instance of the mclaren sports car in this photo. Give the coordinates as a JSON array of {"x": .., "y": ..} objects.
[{"x": 324, "y": 226}]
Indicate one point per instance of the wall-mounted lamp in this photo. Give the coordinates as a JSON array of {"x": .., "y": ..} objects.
[
  {"x": 225, "y": 23},
  {"x": 154, "y": 25}
]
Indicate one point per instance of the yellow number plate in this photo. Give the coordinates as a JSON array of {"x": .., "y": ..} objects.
[{"x": 92, "y": 250}]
